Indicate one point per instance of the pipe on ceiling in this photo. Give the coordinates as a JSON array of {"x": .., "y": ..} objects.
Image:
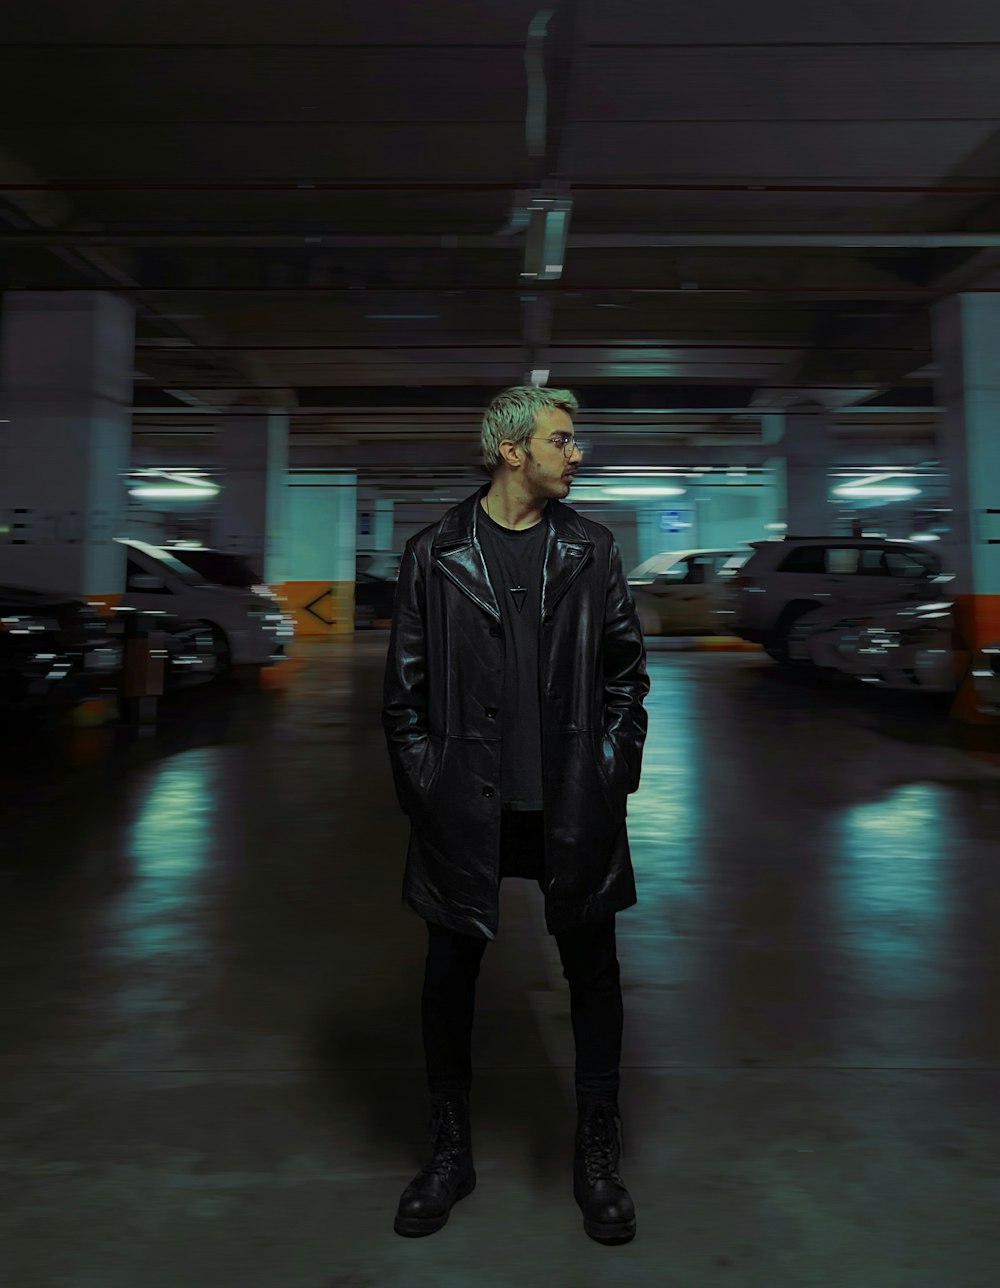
[{"x": 501, "y": 185}]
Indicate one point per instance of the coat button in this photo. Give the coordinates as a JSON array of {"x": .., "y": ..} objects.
[
  {"x": 495, "y": 630},
  {"x": 488, "y": 791},
  {"x": 547, "y": 620},
  {"x": 491, "y": 713}
]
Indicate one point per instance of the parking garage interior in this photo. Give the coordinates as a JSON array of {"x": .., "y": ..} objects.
[{"x": 261, "y": 270}]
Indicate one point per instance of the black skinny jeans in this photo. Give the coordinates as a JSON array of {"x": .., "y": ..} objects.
[{"x": 590, "y": 967}]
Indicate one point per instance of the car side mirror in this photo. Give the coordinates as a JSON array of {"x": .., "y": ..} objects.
[{"x": 144, "y": 581}]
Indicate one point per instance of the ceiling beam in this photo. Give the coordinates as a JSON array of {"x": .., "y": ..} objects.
[
  {"x": 77, "y": 238},
  {"x": 106, "y": 268}
]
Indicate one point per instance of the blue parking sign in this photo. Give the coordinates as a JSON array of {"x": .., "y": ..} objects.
[{"x": 675, "y": 520}]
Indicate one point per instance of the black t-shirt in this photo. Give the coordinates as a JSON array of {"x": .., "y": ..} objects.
[{"x": 514, "y": 561}]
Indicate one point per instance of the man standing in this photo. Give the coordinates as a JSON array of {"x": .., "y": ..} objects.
[{"x": 514, "y": 685}]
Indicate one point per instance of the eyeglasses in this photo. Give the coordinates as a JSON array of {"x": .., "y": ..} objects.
[{"x": 567, "y": 442}]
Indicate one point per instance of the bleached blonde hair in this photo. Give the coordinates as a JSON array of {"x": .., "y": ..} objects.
[{"x": 511, "y": 415}]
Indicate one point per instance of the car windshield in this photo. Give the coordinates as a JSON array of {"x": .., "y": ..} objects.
[
  {"x": 383, "y": 565},
  {"x": 655, "y": 566},
  {"x": 734, "y": 563},
  {"x": 675, "y": 563},
  {"x": 217, "y": 566}
]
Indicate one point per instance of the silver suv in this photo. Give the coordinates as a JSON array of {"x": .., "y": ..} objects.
[{"x": 784, "y": 579}]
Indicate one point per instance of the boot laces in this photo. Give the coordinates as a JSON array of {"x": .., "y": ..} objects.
[
  {"x": 601, "y": 1138},
  {"x": 447, "y": 1140}
]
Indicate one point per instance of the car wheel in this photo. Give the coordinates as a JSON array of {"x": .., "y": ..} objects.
[
  {"x": 220, "y": 648},
  {"x": 777, "y": 645}
]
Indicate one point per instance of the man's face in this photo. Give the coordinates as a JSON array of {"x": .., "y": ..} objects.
[{"x": 547, "y": 472}]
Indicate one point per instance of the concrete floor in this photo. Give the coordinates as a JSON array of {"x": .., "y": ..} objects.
[{"x": 212, "y": 1073}]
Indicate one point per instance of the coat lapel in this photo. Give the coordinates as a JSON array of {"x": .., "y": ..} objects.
[{"x": 457, "y": 552}]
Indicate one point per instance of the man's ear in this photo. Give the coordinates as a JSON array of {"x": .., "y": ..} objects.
[{"x": 515, "y": 463}]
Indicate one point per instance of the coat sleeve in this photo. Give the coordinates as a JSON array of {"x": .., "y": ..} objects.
[
  {"x": 625, "y": 680},
  {"x": 404, "y": 690}
]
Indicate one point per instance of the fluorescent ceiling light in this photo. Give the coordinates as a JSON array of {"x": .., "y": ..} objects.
[
  {"x": 545, "y": 241},
  {"x": 924, "y": 536},
  {"x": 860, "y": 491},
  {"x": 631, "y": 490},
  {"x": 185, "y": 493}
]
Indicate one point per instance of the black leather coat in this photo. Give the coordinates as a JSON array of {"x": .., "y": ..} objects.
[{"x": 441, "y": 715}]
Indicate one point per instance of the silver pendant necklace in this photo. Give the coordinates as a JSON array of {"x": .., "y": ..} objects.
[{"x": 516, "y": 592}]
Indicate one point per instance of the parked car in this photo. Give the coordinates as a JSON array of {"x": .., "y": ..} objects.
[
  {"x": 187, "y": 648},
  {"x": 901, "y": 645},
  {"x": 375, "y": 589},
  {"x": 782, "y": 580},
  {"x": 220, "y": 567},
  {"x": 678, "y": 590},
  {"x": 242, "y": 615},
  {"x": 55, "y": 650}
]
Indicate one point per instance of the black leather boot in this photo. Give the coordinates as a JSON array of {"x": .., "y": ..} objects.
[
  {"x": 608, "y": 1213},
  {"x": 426, "y": 1203}
]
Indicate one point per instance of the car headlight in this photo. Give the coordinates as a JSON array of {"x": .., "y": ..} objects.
[{"x": 280, "y": 624}]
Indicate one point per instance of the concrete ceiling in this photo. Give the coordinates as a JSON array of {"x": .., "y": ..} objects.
[{"x": 323, "y": 206}]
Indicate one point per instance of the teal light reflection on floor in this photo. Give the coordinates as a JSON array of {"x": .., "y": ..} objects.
[
  {"x": 891, "y": 895},
  {"x": 169, "y": 846},
  {"x": 172, "y": 828},
  {"x": 663, "y": 815}
]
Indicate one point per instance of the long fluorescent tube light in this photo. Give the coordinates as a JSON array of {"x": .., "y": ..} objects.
[
  {"x": 858, "y": 490},
  {"x": 175, "y": 493},
  {"x": 644, "y": 491}
]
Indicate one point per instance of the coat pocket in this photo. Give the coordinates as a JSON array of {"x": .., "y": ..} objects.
[
  {"x": 610, "y": 770},
  {"x": 429, "y": 774}
]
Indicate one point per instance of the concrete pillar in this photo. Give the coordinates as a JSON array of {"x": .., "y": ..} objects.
[
  {"x": 650, "y": 537},
  {"x": 320, "y": 528},
  {"x": 772, "y": 431},
  {"x": 731, "y": 511},
  {"x": 724, "y": 512},
  {"x": 382, "y": 532},
  {"x": 375, "y": 521},
  {"x": 807, "y": 444},
  {"x": 253, "y": 461},
  {"x": 966, "y": 336},
  {"x": 66, "y": 362}
]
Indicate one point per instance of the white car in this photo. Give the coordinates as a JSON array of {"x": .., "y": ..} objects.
[
  {"x": 902, "y": 645},
  {"x": 213, "y": 589},
  {"x": 782, "y": 580},
  {"x": 679, "y": 591}
]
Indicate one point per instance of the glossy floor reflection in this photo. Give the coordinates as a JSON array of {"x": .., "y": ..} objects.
[{"x": 212, "y": 1070}]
